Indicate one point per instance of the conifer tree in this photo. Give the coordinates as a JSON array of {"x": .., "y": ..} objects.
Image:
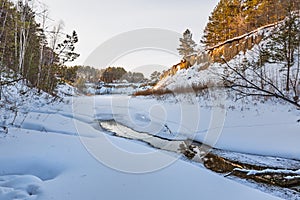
[
  {"x": 187, "y": 44},
  {"x": 215, "y": 25},
  {"x": 232, "y": 18}
]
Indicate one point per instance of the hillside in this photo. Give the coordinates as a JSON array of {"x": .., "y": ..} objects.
[
  {"x": 253, "y": 64},
  {"x": 209, "y": 73}
]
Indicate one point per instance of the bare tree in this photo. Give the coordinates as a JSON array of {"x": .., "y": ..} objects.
[
  {"x": 23, "y": 32},
  {"x": 250, "y": 82},
  {"x": 1, "y": 35},
  {"x": 55, "y": 36},
  {"x": 42, "y": 47}
]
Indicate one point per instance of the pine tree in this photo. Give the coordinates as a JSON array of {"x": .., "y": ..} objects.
[
  {"x": 215, "y": 25},
  {"x": 154, "y": 77},
  {"x": 65, "y": 50},
  {"x": 187, "y": 46},
  {"x": 232, "y": 18}
]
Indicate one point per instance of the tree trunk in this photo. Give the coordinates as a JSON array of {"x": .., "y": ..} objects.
[
  {"x": 288, "y": 75},
  {"x": 41, "y": 51}
]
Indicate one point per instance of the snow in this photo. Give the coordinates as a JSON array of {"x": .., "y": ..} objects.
[
  {"x": 266, "y": 171},
  {"x": 192, "y": 77},
  {"x": 263, "y": 130},
  {"x": 291, "y": 177},
  {"x": 253, "y": 125},
  {"x": 64, "y": 89},
  {"x": 82, "y": 177},
  {"x": 45, "y": 158},
  {"x": 20, "y": 187},
  {"x": 120, "y": 88},
  {"x": 52, "y": 150},
  {"x": 263, "y": 161},
  {"x": 254, "y": 130}
]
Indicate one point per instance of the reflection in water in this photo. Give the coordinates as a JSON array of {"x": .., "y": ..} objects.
[{"x": 154, "y": 141}]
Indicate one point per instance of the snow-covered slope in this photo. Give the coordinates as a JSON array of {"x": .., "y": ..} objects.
[
  {"x": 193, "y": 77},
  {"x": 64, "y": 89}
]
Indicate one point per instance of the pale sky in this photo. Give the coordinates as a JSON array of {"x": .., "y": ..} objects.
[{"x": 96, "y": 21}]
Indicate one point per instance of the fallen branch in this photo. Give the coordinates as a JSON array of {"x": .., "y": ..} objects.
[{"x": 2, "y": 83}]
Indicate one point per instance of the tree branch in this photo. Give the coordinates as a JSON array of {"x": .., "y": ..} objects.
[
  {"x": 252, "y": 86},
  {"x": 10, "y": 82}
]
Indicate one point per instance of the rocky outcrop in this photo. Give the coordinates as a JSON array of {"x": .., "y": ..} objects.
[{"x": 230, "y": 48}]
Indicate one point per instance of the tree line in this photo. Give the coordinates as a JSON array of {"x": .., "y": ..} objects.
[
  {"x": 112, "y": 74},
  {"x": 88, "y": 74},
  {"x": 28, "y": 49},
  {"x": 232, "y": 18}
]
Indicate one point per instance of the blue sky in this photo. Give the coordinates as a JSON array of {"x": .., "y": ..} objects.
[{"x": 96, "y": 21}]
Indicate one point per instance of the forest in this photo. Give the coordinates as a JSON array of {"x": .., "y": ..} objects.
[
  {"x": 232, "y": 18},
  {"x": 32, "y": 49}
]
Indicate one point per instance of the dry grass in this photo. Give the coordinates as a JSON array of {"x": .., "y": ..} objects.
[
  {"x": 178, "y": 90},
  {"x": 152, "y": 92}
]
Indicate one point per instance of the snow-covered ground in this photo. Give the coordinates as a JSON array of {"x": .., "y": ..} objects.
[
  {"x": 65, "y": 89},
  {"x": 59, "y": 151},
  {"x": 265, "y": 129},
  {"x": 115, "y": 88}
]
